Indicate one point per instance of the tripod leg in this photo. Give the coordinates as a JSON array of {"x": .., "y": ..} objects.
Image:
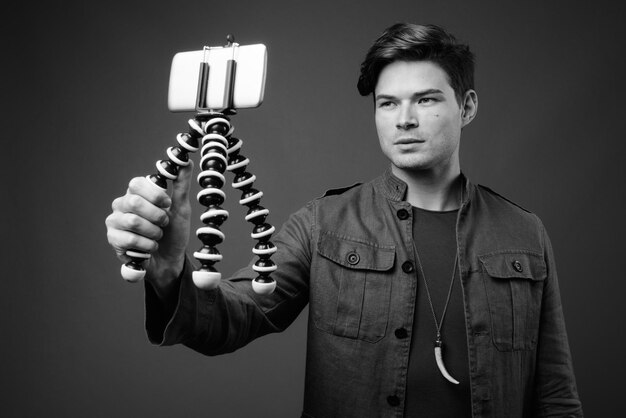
[
  {"x": 178, "y": 156},
  {"x": 257, "y": 215},
  {"x": 213, "y": 164}
]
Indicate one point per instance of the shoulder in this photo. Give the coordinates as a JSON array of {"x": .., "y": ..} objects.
[
  {"x": 504, "y": 224},
  {"x": 332, "y": 200},
  {"x": 340, "y": 197},
  {"x": 354, "y": 194},
  {"x": 498, "y": 209},
  {"x": 344, "y": 202},
  {"x": 340, "y": 190},
  {"x": 490, "y": 196}
]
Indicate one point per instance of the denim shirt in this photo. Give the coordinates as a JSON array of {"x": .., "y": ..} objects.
[{"x": 350, "y": 256}]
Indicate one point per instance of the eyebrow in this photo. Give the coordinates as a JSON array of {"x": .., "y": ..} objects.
[{"x": 414, "y": 95}]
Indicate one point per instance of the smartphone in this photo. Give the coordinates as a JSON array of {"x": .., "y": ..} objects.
[{"x": 186, "y": 75}]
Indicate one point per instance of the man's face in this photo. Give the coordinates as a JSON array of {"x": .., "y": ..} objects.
[{"x": 418, "y": 117}]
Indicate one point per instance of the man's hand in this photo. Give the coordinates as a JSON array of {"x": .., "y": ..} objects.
[{"x": 147, "y": 219}]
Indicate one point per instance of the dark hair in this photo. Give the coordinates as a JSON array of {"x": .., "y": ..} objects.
[{"x": 410, "y": 42}]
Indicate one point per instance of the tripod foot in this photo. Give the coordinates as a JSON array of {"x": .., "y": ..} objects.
[
  {"x": 206, "y": 280},
  {"x": 263, "y": 288},
  {"x": 132, "y": 273}
]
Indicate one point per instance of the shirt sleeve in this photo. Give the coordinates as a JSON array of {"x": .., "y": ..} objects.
[
  {"x": 555, "y": 387},
  {"x": 227, "y": 318}
]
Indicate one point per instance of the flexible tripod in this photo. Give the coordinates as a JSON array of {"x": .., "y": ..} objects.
[{"x": 211, "y": 132}]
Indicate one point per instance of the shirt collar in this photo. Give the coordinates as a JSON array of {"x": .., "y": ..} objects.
[{"x": 395, "y": 189}]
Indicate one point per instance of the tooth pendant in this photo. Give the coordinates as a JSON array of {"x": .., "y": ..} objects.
[{"x": 442, "y": 367}]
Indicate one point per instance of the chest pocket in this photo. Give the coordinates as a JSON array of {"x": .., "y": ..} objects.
[
  {"x": 351, "y": 294},
  {"x": 514, "y": 284}
]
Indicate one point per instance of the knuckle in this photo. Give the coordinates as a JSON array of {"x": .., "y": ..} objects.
[
  {"x": 133, "y": 202},
  {"x": 133, "y": 222}
]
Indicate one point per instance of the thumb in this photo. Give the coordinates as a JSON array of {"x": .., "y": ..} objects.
[{"x": 182, "y": 184}]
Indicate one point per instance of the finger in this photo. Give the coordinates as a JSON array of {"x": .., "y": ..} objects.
[
  {"x": 134, "y": 223},
  {"x": 138, "y": 205},
  {"x": 182, "y": 184},
  {"x": 122, "y": 241},
  {"x": 145, "y": 188}
]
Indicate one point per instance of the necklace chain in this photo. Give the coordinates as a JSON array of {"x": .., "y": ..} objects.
[{"x": 438, "y": 324}]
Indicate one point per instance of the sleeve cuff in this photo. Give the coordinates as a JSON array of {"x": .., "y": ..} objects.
[{"x": 164, "y": 318}]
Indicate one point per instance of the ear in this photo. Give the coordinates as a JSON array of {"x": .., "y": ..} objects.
[{"x": 469, "y": 107}]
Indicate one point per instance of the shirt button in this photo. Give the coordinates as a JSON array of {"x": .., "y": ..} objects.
[
  {"x": 407, "y": 267},
  {"x": 517, "y": 266},
  {"x": 401, "y": 333},
  {"x": 393, "y": 400},
  {"x": 353, "y": 258},
  {"x": 403, "y": 214}
]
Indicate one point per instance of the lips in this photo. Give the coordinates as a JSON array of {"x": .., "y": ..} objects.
[{"x": 403, "y": 141}]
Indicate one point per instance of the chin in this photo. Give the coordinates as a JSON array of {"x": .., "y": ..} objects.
[{"x": 412, "y": 164}]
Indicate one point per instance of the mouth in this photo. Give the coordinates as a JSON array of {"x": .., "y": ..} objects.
[{"x": 404, "y": 141}]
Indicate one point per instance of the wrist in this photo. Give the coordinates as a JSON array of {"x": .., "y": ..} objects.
[{"x": 164, "y": 274}]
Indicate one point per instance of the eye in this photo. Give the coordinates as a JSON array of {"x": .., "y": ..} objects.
[
  {"x": 427, "y": 100},
  {"x": 386, "y": 104}
]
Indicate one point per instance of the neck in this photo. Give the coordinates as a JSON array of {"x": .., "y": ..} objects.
[{"x": 430, "y": 190}]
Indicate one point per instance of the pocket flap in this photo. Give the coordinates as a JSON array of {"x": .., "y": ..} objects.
[
  {"x": 355, "y": 254},
  {"x": 515, "y": 265}
]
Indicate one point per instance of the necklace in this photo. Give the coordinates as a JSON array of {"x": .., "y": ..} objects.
[{"x": 439, "y": 324}]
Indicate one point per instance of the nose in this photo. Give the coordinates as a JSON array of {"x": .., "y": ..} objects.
[{"x": 407, "y": 117}]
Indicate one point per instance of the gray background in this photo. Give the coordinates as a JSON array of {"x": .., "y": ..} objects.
[{"x": 84, "y": 110}]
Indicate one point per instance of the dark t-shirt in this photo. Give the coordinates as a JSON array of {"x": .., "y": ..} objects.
[{"x": 429, "y": 394}]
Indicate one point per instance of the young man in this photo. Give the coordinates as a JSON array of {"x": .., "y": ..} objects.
[{"x": 429, "y": 295}]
